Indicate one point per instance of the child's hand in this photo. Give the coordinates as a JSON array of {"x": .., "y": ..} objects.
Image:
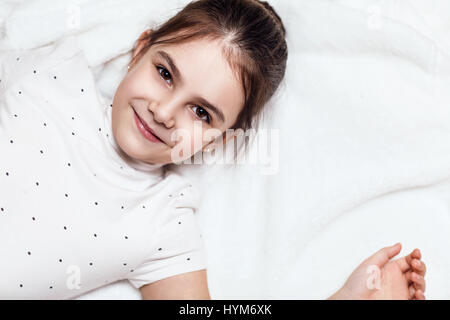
[{"x": 379, "y": 278}]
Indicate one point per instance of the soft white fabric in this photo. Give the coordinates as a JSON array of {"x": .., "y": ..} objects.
[
  {"x": 364, "y": 130},
  {"x": 74, "y": 209}
]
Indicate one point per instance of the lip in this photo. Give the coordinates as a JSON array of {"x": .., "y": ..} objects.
[{"x": 143, "y": 128}]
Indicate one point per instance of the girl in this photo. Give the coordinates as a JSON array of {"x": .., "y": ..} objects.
[{"x": 85, "y": 195}]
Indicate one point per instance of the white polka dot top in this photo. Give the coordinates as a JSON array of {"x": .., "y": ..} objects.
[{"x": 74, "y": 213}]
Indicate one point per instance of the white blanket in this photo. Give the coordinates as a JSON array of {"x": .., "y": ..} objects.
[{"x": 364, "y": 152}]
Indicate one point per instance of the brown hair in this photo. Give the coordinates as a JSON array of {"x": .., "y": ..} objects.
[{"x": 254, "y": 45}]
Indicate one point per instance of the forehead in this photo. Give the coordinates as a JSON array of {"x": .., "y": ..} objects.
[{"x": 205, "y": 72}]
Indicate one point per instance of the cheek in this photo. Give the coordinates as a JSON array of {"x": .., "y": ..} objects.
[
  {"x": 142, "y": 84},
  {"x": 193, "y": 140}
]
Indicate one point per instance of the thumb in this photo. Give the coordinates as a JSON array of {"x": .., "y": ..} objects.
[{"x": 382, "y": 256}]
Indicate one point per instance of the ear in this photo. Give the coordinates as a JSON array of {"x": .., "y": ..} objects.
[{"x": 141, "y": 42}]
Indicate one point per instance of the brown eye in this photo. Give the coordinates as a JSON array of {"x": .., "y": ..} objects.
[
  {"x": 202, "y": 113},
  {"x": 164, "y": 73}
]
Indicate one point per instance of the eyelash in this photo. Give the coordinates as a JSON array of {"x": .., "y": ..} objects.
[{"x": 158, "y": 68}]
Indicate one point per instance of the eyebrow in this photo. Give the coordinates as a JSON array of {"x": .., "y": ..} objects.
[
  {"x": 177, "y": 74},
  {"x": 170, "y": 62}
]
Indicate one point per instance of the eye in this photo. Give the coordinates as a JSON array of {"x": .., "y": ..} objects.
[
  {"x": 202, "y": 113},
  {"x": 164, "y": 73}
]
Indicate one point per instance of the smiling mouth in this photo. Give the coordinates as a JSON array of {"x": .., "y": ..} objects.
[{"x": 149, "y": 134}]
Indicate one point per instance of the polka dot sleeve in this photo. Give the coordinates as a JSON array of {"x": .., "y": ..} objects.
[
  {"x": 178, "y": 244},
  {"x": 17, "y": 64}
]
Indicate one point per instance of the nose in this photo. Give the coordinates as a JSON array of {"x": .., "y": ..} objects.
[{"x": 163, "y": 113}]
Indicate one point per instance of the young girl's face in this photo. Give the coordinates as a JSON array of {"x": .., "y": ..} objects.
[{"x": 175, "y": 87}]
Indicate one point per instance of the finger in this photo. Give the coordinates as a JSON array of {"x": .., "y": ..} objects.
[
  {"x": 403, "y": 264},
  {"x": 382, "y": 256},
  {"x": 419, "y": 267},
  {"x": 417, "y": 280},
  {"x": 406, "y": 262},
  {"x": 416, "y": 254},
  {"x": 419, "y": 295},
  {"x": 408, "y": 277},
  {"x": 412, "y": 291}
]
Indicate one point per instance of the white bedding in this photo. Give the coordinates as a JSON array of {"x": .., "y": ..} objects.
[{"x": 364, "y": 119}]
